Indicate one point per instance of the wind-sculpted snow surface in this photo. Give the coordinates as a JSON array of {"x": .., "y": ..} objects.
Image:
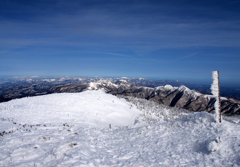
[{"x": 57, "y": 130}]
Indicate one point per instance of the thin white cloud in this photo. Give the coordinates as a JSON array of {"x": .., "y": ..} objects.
[{"x": 184, "y": 57}]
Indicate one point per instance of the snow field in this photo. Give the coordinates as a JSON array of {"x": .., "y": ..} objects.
[
  {"x": 195, "y": 139},
  {"x": 90, "y": 108}
]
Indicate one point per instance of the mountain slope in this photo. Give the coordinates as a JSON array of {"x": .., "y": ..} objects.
[
  {"x": 94, "y": 108},
  {"x": 61, "y": 130}
]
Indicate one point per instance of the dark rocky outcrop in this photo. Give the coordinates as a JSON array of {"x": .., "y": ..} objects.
[{"x": 70, "y": 88}]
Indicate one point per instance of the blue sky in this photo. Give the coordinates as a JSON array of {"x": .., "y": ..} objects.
[{"x": 174, "y": 39}]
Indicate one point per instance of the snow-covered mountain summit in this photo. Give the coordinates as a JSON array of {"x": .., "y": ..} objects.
[
  {"x": 72, "y": 129},
  {"x": 89, "y": 108}
]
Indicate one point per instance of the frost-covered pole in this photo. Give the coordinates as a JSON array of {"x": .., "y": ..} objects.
[{"x": 215, "y": 87}]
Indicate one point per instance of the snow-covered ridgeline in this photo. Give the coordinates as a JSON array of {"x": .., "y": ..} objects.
[
  {"x": 188, "y": 99},
  {"x": 124, "y": 84},
  {"x": 108, "y": 83},
  {"x": 180, "y": 97}
]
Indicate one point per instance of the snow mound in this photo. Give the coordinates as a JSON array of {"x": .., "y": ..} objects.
[{"x": 89, "y": 108}]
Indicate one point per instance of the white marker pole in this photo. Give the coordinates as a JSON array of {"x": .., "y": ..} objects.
[{"x": 215, "y": 87}]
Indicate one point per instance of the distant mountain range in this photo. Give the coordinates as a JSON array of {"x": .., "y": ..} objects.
[{"x": 170, "y": 93}]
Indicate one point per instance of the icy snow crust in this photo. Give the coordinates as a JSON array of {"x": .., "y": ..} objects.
[{"x": 72, "y": 130}]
